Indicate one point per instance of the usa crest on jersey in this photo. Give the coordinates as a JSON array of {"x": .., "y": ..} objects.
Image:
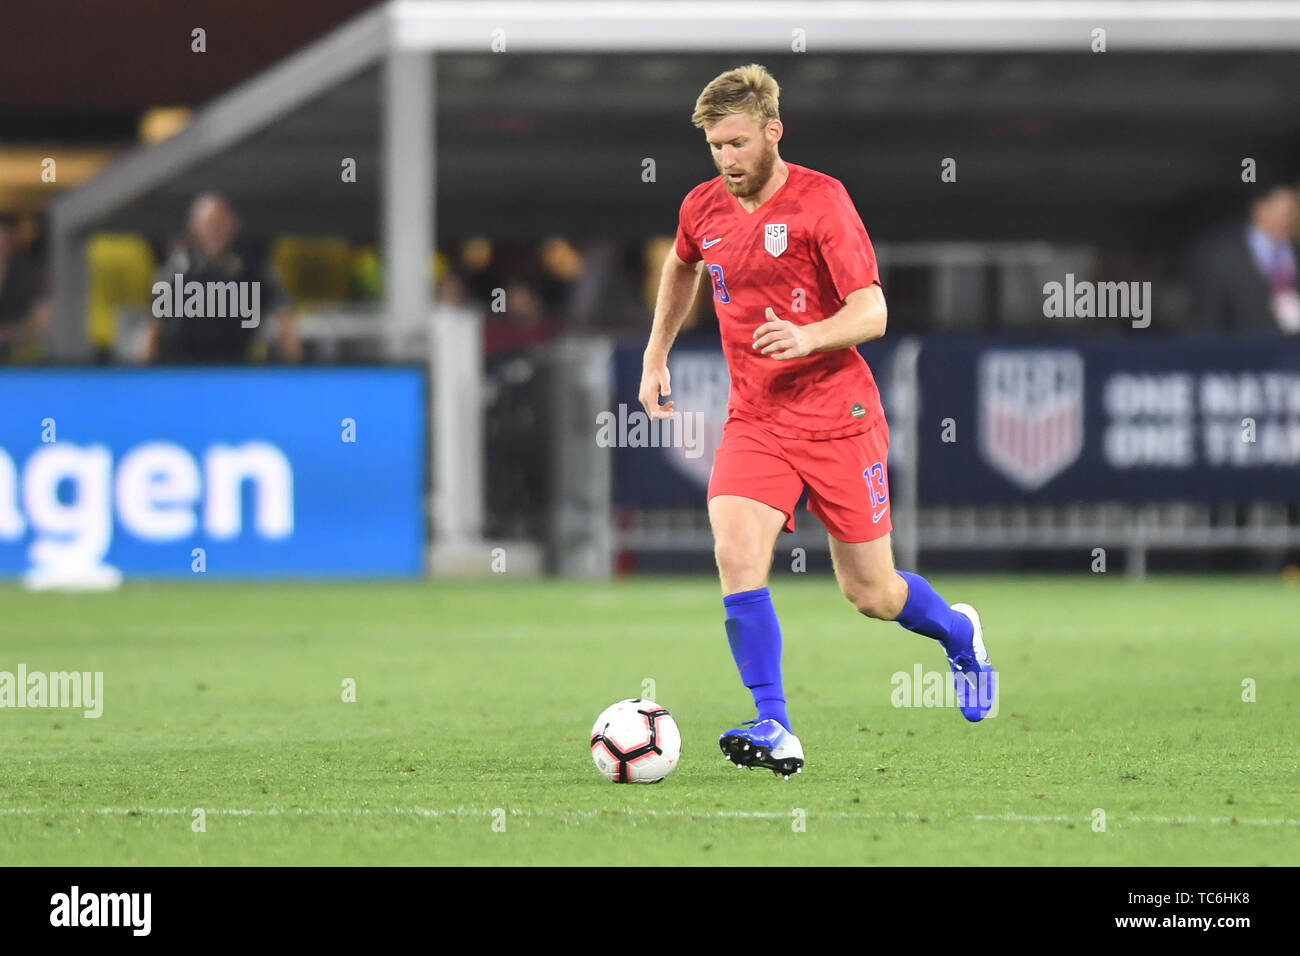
[{"x": 774, "y": 237}]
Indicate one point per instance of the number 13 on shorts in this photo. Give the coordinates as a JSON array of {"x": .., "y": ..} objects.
[{"x": 875, "y": 476}]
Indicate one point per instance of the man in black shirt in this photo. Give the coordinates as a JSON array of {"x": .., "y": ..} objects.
[{"x": 210, "y": 301}]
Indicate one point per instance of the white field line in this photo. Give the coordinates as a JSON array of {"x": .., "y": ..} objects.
[{"x": 477, "y": 812}]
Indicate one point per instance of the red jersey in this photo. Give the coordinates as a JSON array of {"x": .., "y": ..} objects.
[{"x": 807, "y": 238}]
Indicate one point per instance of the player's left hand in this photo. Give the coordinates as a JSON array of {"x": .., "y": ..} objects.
[{"x": 782, "y": 339}]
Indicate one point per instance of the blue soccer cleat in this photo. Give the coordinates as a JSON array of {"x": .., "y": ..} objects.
[
  {"x": 974, "y": 679},
  {"x": 763, "y": 743}
]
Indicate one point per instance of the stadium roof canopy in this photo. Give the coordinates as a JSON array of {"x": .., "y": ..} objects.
[{"x": 1051, "y": 138}]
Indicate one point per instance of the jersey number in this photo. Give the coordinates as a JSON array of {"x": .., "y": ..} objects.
[
  {"x": 719, "y": 287},
  {"x": 875, "y": 476}
]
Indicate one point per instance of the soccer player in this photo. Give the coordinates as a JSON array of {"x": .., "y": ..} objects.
[{"x": 796, "y": 289}]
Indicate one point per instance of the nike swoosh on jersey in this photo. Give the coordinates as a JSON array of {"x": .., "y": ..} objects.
[
  {"x": 875, "y": 518},
  {"x": 711, "y": 242}
]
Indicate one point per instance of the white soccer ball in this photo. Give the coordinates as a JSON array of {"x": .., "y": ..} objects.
[{"x": 635, "y": 741}]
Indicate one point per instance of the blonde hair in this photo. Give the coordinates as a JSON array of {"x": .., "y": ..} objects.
[{"x": 746, "y": 89}]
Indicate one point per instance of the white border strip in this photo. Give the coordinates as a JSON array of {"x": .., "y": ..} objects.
[
  {"x": 677, "y": 26},
  {"x": 478, "y": 812}
]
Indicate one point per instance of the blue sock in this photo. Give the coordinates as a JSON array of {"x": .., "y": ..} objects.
[
  {"x": 926, "y": 613},
  {"x": 755, "y": 638}
]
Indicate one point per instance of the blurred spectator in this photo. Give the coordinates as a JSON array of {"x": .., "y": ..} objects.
[
  {"x": 602, "y": 292},
  {"x": 366, "y": 275},
  {"x": 561, "y": 265},
  {"x": 449, "y": 289},
  {"x": 653, "y": 254},
  {"x": 1245, "y": 278},
  {"x": 208, "y": 254},
  {"x": 523, "y": 323},
  {"x": 24, "y": 305},
  {"x": 478, "y": 269}
]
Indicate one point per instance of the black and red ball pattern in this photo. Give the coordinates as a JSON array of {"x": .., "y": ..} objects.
[{"x": 627, "y": 755}]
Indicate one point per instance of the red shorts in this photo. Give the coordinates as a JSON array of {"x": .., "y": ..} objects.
[{"x": 848, "y": 486}]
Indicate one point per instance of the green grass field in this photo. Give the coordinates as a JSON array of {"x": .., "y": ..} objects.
[{"x": 1116, "y": 695}]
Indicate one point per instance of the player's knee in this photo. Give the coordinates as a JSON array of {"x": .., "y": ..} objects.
[
  {"x": 870, "y": 598},
  {"x": 738, "y": 565}
]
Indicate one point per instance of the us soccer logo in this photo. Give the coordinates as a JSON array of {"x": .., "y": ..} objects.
[
  {"x": 774, "y": 237},
  {"x": 1030, "y": 413}
]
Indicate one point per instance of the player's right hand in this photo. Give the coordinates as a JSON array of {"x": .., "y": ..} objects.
[{"x": 654, "y": 383}]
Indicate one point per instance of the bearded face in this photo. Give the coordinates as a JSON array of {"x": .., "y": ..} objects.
[{"x": 742, "y": 153}]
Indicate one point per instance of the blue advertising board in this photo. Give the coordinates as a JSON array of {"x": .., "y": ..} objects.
[
  {"x": 1113, "y": 419},
  {"x": 227, "y": 472},
  {"x": 1003, "y": 420}
]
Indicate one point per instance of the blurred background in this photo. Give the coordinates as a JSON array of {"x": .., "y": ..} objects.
[{"x": 456, "y": 219}]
